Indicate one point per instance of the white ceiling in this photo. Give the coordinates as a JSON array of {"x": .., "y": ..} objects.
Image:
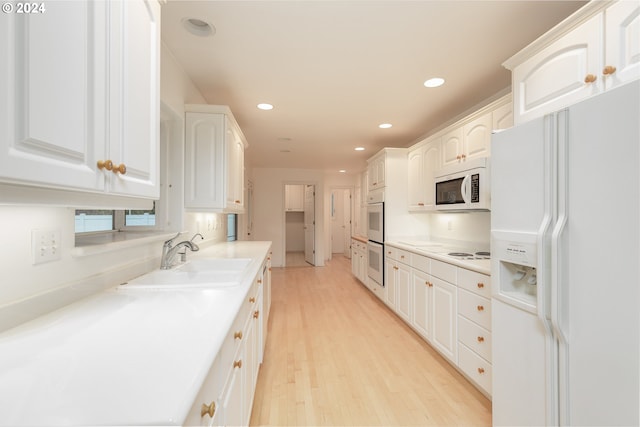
[{"x": 335, "y": 70}]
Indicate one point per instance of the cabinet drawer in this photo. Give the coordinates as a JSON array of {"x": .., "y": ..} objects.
[
  {"x": 420, "y": 262},
  {"x": 477, "y": 283},
  {"x": 475, "y": 367},
  {"x": 475, "y": 337},
  {"x": 398, "y": 254},
  {"x": 475, "y": 308},
  {"x": 446, "y": 272}
]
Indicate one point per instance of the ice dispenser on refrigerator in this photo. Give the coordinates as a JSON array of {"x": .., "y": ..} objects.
[{"x": 515, "y": 260}]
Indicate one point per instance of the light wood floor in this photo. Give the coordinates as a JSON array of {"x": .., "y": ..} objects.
[
  {"x": 296, "y": 259},
  {"x": 335, "y": 355}
]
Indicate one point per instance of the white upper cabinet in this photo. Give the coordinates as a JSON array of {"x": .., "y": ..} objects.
[
  {"x": 597, "y": 48},
  {"x": 134, "y": 93},
  {"x": 80, "y": 85},
  {"x": 53, "y": 96},
  {"x": 477, "y": 137},
  {"x": 472, "y": 139},
  {"x": 423, "y": 162},
  {"x": 294, "y": 198},
  {"x": 452, "y": 147},
  {"x": 622, "y": 43},
  {"x": 376, "y": 172},
  {"x": 214, "y": 160},
  {"x": 502, "y": 116}
]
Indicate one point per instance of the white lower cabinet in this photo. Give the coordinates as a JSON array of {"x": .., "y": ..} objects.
[
  {"x": 445, "y": 319},
  {"x": 359, "y": 260},
  {"x": 422, "y": 288},
  {"x": 226, "y": 396},
  {"x": 449, "y": 306},
  {"x": 398, "y": 282},
  {"x": 474, "y": 327}
]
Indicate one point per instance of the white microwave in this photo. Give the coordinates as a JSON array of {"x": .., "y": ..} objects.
[{"x": 464, "y": 186}]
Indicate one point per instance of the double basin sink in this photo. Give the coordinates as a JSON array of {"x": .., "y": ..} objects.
[{"x": 204, "y": 273}]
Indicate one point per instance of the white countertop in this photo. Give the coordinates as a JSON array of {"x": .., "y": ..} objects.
[
  {"x": 479, "y": 265},
  {"x": 123, "y": 356}
]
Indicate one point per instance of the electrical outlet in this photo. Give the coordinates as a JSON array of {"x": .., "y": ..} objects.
[{"x": 45, "y": 246}]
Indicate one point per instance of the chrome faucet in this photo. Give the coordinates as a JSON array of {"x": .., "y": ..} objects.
[{"x": 169, "y": 251}]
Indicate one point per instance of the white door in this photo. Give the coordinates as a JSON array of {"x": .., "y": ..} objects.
[
  {"x": 340, "y": 221},
  {"x": 346, "y": 217},
  {"x": 309, "y": 224}
]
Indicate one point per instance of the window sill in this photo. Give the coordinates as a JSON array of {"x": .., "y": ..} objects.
[{"x": 99, "y": 243}]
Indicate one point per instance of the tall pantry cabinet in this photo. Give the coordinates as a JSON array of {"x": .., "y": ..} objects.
[{"x": 79, "y": 97}]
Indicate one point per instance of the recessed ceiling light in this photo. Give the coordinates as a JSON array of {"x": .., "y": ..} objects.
[
  {"x": 265, "y": 106},
  {"x": 434, "y": 82},
  {"x": 198, "y": 27},
  {"x": 385, "y": 125},
  {"x": 342, "y": 171},
  {"x": 359, "y": 148}
]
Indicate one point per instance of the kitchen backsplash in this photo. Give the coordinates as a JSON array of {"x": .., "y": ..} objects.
[
  {"x": 473, "y": 227},
  {"x": 28, "y": 290}
]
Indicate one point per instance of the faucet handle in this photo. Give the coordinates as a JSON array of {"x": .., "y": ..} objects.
[{"x": 170, "y": 241}]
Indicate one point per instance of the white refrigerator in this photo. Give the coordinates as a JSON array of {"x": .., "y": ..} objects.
[{"x": 565, "y": 232}]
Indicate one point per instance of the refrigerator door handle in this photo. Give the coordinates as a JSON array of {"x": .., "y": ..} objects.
[{"x": 558, "y": 260}]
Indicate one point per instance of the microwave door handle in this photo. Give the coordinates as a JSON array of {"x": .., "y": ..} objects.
[{"x": 464, "y": 188}]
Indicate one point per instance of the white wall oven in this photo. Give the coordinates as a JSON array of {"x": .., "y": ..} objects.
[
  {"x": 375, "y": 234},
  {"x": 375, "y": 222},
  {"x": 463, "y": 186},
  {"x": 375, "y": 262}
]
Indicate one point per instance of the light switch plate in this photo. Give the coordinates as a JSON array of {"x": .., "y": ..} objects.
[{"x": 45, "y": 246}]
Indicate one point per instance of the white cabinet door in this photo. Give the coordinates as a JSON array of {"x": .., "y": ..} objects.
[
  {"x": 403, "y": 303},
  {"x": 422, "y": 289},
  {"x": 134, "y": 96},
  {"x": 622, "y": 43},
  {"x": 391, "y": 283},
  {"x": 415, "y": 185},
  {"x": 555, "y": 77},
  {"x": 502, "y": 117},
  {"x": 235, "y": 173},
  {"x": 81, "y": 85},
  {"x": 294, "y": 198},
  {"x": 477, "y": 137},
  {"x": 376, "y": 172},
  {"x": 53, "y": 99},
  {"x": 430, "y": 165},
  {"x": 214, "y": 160},
  {"x": 423, "y": 162},
  {"x": 445, "y": 318},
  {"x": 204, "y": 160},
  {"x": 232, "y": 396},
  {"x": 452, "y": 147}
]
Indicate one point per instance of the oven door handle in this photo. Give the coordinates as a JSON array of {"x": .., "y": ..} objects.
[{"x": 464, "y": 188}]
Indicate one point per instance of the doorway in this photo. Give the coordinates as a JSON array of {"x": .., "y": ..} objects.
[
  {"x": 341, "y": 221},
  {"x": 299, "y": 225}
]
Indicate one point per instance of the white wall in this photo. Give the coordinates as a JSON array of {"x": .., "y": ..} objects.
[{"x": 28, "y": 290}]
